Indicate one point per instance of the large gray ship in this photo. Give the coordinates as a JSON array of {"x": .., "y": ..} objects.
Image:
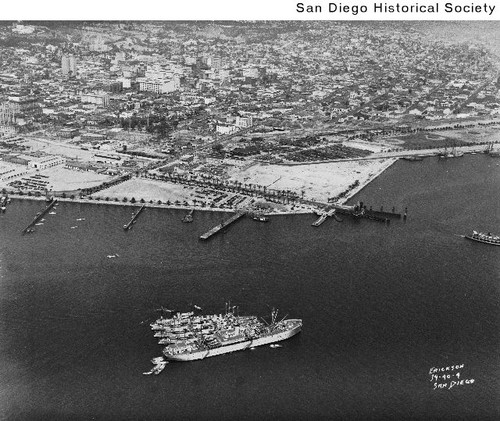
[{"x": 189, "y": 337}]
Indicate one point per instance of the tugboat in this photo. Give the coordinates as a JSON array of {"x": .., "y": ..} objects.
[
  {"x": 159, "y": 363},
  {"x": 488, "y": 238}
]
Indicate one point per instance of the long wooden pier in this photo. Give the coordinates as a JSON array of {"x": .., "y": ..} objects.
[
  {"x": 381, "y": 215},
  {"x": 322, "y": 217},
  {"x": 222, "y": 225},
  {"x": 128, "y": 226},
  {"x": 358, "y": 211},
  {"x": 39, "y": 216}
]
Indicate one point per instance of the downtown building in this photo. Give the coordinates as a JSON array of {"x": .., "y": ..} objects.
[
  {"x": 98, "y": 98},
  {"x": 68, "y": 65},
  {"x": 159, "y": 86}
]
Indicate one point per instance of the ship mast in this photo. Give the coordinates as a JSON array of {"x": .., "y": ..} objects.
[{"x": 283, "y": 318}]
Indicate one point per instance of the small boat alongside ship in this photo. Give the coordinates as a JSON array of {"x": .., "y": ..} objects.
[
  {"x": 159, "y": 366},
  {"x": 488, "y": 238}
]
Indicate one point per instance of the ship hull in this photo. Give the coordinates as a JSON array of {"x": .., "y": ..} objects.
[
  {"x": 239, "y": 346},
  {"x": 479, "y": 240}
]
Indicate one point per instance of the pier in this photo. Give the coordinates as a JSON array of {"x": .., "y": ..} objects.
[
  {"x": 359, "y": 211},
  {"x": 188, "y": 217},
  {"x": 39, "y": 216},
  {"x": 381, "y": 215},
  {"x": 322, "y": 217},
  {"x": 222, "y": 225},
  {"x": 132, "y": 221}
]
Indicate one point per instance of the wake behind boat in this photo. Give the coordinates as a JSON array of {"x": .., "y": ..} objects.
[{"x": 484, "y": 238}]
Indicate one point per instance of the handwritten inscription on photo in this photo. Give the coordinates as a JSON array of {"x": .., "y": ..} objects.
[{"x": 449, "y": 377}]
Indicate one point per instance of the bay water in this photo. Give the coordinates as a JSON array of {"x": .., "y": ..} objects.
[{"x": 381, "y": 304}]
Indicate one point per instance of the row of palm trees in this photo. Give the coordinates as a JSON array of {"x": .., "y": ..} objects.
[
  {"x": 209, "y": 181},
  {"x": 105, "y": 185}
]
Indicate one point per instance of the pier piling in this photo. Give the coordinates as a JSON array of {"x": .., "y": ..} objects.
[
  {"x": 39, "y": 216},
  {"x": 223, "y": 224},
  {"x": 132, "y": 221}
]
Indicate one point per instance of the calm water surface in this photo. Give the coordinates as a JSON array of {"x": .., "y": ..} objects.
[{"x": 381, "y": 305}]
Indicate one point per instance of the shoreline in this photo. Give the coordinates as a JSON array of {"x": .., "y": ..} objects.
[
  {"x": 361, "y": 186},
  {"x": 152, "y": 205},
  {"x": 302, "y": 211}
]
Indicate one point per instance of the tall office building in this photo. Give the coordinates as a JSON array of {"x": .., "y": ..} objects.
[
  {"x": 65, "y": 65},
  {"x": 6, "y": 114},
  {"x": 72, "y": 65},
  {"x": 68, "y": 65}
]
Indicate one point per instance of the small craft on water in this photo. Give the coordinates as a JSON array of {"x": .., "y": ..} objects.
[
  {"x": 159, "y": 363},
  {"x": 484, "y": 238}
]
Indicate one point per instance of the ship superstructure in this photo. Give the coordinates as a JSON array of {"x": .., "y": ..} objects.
[
  {"x": 484, "y": 238},
  {"x": 188, "y": 337}
]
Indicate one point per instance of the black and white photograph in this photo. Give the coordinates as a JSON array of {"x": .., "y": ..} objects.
[{"x": 251, "y": 219}]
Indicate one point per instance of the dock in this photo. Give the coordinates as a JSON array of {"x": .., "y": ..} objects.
[
  {"x": 381, "y": 215},
  {"x": 132, "y": 221},
  {"x": 322, "y": 217},
  {"x": 222, "y": 225},
  {"x": 360, "y": 211},
  {"x": 39, "y": 216},
  {"x": 188, "y": 217}
]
